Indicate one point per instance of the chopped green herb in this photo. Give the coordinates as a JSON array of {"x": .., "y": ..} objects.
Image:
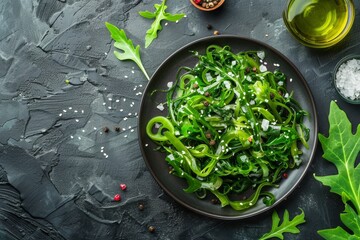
[
  {"x": 159, "y": 15},
  {"x": 287, "y": 226},
  {"x": 126, "y": 45},
  {"x": 341, "y": 148}
]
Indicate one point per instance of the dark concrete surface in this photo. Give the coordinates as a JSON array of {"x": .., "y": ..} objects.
[{"x": 59, "y": 171}]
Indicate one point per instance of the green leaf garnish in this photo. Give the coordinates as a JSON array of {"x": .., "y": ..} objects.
[
  {"x": 287, "y": 226},
  {"x": 127, "y": 46},
  {"x": 342, "y": 148},
  {"x": 159, "y": 15}
]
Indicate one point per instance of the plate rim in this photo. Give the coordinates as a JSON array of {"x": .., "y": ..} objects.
[{"x": 314, "y": 119}]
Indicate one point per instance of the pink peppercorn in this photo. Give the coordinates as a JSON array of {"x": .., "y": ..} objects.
[
  {"x": 117, "y": 198},
  {"x": 123, "y": 186}
]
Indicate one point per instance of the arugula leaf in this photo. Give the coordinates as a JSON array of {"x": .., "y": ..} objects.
[
  {"x": 159, "y": 15},
  {"x": 287, "y": 226},
  {"x": 342, "y": 148},
  {"x": 126, "y": 45}
]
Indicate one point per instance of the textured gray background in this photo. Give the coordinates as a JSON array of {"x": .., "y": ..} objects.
[{"x": 59, "y": 172}]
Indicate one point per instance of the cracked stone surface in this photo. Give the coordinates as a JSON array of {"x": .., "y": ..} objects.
[{"x": 59, "y": 170}]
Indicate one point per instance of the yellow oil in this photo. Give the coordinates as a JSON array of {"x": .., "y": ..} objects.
[{"x": 317, "y": 21}]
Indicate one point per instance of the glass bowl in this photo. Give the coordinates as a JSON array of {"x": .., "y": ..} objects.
[
  {"x": 337, "y": 79},
  {"x": 319, "y": 23}
]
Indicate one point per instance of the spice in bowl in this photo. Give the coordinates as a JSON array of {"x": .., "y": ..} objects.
[
  {"x": 207, "y": 5},
  {"x": 347, "y": 79}
]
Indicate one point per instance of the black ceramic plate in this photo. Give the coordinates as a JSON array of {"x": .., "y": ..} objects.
[{"x": 155, "y": 160}]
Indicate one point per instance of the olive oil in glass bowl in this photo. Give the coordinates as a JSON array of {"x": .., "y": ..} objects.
[{"x": 319, "y": 23}]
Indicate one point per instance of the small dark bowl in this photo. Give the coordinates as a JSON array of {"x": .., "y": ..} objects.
[
  {"x": 344, "y": 60},
  {"x": 220, "y": 2}
]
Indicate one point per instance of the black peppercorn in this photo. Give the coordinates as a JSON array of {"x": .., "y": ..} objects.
[
  {"x": 206, "y": 103},
  {"x": 117, "y": 129},
  {"x": 209, "y": 27},
  {"x": 208, "y": 135},
  {"x": 151, "y": 229},
  {"x": 212, "y": 142},
  {"x": 141, "y": 207},
  {"x": 106, "y": 129},
  {"x": 207, "y": 94}
]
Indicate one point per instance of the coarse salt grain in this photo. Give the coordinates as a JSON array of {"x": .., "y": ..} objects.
[
  {"x": 160, "y": 107},
  {"x": 263, "y": 68},
  {"x": 347, "y": 79}
]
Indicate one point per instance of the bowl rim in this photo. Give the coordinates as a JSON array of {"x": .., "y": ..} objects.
[
  {"x": 334, "y": 41},
  {"x": 207, "y": 9},
  {"x": 339, "y": 63}
]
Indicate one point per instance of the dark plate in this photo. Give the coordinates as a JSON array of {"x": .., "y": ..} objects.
[{"x": 155, "y": 160}]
